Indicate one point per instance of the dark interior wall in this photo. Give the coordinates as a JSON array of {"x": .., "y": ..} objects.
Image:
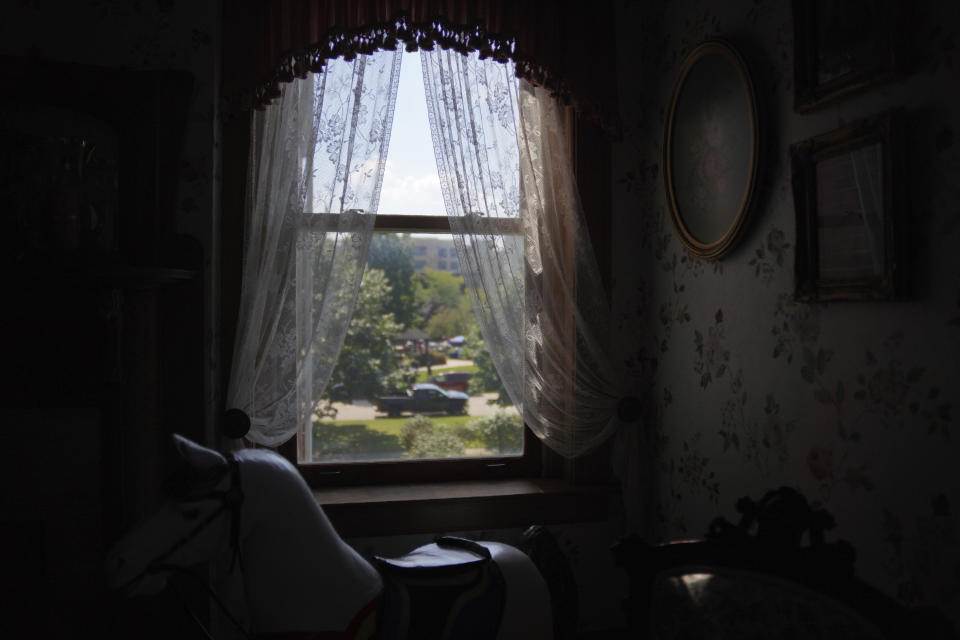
[
  {"x": 870, "y": 430},
  {"x": 162, "y": 34},
  {"x": 141, "y": 40},
  {"x": 134, "y": 359}
]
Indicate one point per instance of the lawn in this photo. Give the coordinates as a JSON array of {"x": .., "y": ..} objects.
[
  {"x": 379, "y": 437},
  {"x": 391, "y": 426}
]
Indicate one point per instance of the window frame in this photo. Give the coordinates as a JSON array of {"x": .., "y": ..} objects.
[
  {"x": 590, "y": 147},
  {"x": 320, "y": 475}
]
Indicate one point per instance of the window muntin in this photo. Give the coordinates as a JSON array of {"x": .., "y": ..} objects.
[
  {"x": 392, "y": 423},
  {"x": 431, "y": 219}
]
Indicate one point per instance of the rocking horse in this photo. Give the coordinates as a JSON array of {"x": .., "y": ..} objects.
[{"x": 255, "y": 505}]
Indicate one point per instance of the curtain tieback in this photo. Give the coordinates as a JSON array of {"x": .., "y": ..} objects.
[{"x": 235, "y": 423}]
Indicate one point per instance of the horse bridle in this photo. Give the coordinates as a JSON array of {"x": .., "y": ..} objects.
[{"x": 231, "y": 500}]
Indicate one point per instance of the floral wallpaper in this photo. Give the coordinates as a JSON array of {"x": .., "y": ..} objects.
[{"x": 852, "y": 403}]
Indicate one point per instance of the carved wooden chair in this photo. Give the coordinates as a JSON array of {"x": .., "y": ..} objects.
[{"x": 735, "y": 583}]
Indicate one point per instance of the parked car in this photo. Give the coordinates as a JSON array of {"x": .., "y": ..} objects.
[
  {"x": 424, "y": 398},
  {"x": 452, "y": 380}
]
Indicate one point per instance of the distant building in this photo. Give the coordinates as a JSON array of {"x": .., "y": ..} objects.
[{"x": 437, "y": 253}]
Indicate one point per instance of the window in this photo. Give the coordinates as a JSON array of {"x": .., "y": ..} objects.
[
  {"x": 393, "y": 409},
  {"x": 368, "y": 512}
]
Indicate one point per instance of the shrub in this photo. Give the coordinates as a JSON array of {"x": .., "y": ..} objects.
[
  {"x": 432, "y": 358},
  {"x": 413, "y": 428},
  {"x": 500, "y": 432},
  {"x": 467, "y": 431},
  {"x": 439, "y": 443}
]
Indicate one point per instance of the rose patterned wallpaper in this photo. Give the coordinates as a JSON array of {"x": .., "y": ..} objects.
[{"x": 854, "y": 404}]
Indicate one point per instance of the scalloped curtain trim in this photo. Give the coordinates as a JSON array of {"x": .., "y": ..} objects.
[{"x": 415, "y": 36}]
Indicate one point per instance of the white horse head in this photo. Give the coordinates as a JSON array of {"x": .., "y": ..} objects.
[
  {"x": 298, "y": 574},
  {"x": 286, "y": 543},
  {"x": 183, "y": 531}
]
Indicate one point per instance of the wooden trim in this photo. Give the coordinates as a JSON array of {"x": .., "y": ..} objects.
[
  {"x": 400, "y": 223},
  {"x": 328, "y": 475},
  {"x": 461, "y": 506},
  {"x": 590, "y": 149},
  {"x": 236, "y": 151}
]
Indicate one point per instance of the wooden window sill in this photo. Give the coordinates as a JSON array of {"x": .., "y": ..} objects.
[{"x": 460, "y": 506}]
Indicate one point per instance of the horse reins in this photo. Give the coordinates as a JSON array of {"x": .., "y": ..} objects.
[{"x": 232, "y": 500}]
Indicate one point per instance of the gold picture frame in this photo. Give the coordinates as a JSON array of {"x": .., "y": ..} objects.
[
  {"x": 842, "y": 48},
  {"x": 848, "y": 196},
  {"x": 711, "y": 149}
]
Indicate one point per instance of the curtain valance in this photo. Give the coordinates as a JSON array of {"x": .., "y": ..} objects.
[{"x": 565, "y": 46}]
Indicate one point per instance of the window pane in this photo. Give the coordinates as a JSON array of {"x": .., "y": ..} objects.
[
  {"x": 410, "y": 182},
  {"x": 414, "y": 379}
]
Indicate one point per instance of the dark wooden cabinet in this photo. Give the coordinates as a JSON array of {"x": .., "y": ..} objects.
[{"x": 102, "y": 322}]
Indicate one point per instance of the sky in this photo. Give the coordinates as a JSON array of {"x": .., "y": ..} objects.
[{"x": 410, "y": 181}]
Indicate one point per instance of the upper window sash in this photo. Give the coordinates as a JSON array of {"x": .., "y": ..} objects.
[{"x": 419, "y": 223}]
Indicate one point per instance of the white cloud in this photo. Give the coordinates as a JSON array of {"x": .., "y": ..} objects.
[{"x": 411, "y": 193}]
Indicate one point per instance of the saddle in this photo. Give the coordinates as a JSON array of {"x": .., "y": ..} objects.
[{"x": 448, "y": 589}]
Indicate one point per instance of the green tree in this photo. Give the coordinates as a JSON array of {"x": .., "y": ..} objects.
[
  {"x": 367, "y": 360},
  {"x": 447, "y": 322},
  {"x": 439, "y": 290},
  {"x": 393, "y": 254},
  {"x": 444, "y": 287},
  {"x": 486, "y": 378}
]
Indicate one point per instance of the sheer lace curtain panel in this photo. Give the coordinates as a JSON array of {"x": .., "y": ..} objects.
[
  {"x": 503, "y": 157},
  {"x": 515, "y": 213},
  {"x": 318, "y": 149}
]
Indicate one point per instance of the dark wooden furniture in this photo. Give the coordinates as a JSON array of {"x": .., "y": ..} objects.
[
  {"x": 102, "y": 327},
  {"x": 759, "y": 579}
]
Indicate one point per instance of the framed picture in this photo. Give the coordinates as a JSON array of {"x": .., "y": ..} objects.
[
  {"x": 711, "y": 149},
  {"x": 842, "y": 47},
  {"x": 847, "y": 190}
]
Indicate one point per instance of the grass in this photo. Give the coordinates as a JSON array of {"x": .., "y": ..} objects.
[
  {"x": 380, "y": 436},
  {"x": 391, "y": 426}
]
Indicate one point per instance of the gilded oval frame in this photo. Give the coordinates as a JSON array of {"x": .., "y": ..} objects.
[{"x": 676, "y": 132}]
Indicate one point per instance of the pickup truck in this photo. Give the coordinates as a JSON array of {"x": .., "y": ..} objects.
[{"x": 424, "y": 398}]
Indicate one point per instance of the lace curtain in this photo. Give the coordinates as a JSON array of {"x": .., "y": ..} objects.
[
  {"x": 320, "y": 148},
  {"x": 509, "y": 189}
]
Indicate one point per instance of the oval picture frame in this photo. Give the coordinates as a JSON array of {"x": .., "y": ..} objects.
[{"x": 711, "y": 149}]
